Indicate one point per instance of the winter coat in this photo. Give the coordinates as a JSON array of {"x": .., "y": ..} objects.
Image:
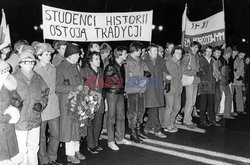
[
  {"x": 8, "y": 142},
  {"x": 194, "y": 65},
  {"x": 154, "y": 95},
  {"x": 114, "y": 78},
  {"x": 175, "y": 71},
  {"x": 31, "y": 92},
  {"x": 95, "y": 82},
  {"x": 134, "y": 73},
  {"x": 68, "y": 76},
  {"x": 224, "y": 69},
  {"x": 216, "y": 69},
  {"x": 238, "y": 71},
  {"x": 207, "y": 84},
  {"x": 48, "y": 73}
]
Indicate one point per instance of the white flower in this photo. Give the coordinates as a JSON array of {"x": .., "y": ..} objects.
[{"x": 91, "y": 98}]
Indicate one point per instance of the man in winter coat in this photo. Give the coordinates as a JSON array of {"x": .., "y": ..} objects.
[
  {"x": 69, "y": 78},
  {"x": 114, "y": 76},
  {"x": 136, "y": 71},
  {"x": 94, "y": 80},
  {"x": 207, "y": 89},
  {"x": 154, "y": 96}
]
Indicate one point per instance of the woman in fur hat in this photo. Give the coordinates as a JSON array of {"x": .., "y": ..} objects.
[{"x": 9, "y": 114}]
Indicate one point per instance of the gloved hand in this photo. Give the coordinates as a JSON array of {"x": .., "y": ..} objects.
[
  {"x": 14, "y": 113},
  {"x": 17, "y": 103},
  {"x": 199, "y": 73},
  {"x": 66, "y": 82},
  {"x": 167, "y": 86},
  {"x": 147, "y": 74},
  {"x": 37, "y": 107},
  {"x": 240, "y": 78}
]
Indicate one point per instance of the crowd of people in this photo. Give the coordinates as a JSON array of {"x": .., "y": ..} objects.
[{"x": 152, "y": 87}]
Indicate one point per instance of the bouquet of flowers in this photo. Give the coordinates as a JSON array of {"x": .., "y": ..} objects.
[{"x": 82, "y": 105}]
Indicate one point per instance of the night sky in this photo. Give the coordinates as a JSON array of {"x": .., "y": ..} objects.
[{"x": 23, "y": 15}]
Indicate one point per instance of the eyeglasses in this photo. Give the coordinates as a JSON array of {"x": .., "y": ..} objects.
[{"x": 29, "y": 62}]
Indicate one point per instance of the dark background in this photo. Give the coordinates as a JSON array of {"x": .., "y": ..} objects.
[{"x": 23, "y": 15}]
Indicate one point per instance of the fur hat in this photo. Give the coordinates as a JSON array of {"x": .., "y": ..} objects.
[
  {"x": 28, "y": 48},
  {"x": 57, "y": 44},
  {"x": 34, "y": 43},
  {"x": 71, "y": 49},
  {"x": 43, "y": 47},
  {"x": 26, "y": 55}
]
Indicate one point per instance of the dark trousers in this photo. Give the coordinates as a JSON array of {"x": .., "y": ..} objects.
[
  {"x": 153, "y": 120},
  {"x": 49, "y": 153},
  {"x": 217, "y": 98},
  {"x": 94, "y": 130},
  {"x": 136, "y": 109},
  {"x": 116, "y": 115},
  {"x": 207, "y": 106}
]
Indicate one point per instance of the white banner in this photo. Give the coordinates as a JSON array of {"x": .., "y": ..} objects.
[
  {"x": 209, "y": 31},
  {"x": 213, "y": 23},
  {"x": 59, "y": 24}
]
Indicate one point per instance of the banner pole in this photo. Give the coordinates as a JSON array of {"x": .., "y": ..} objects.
[{"x": 223, "y": 9}]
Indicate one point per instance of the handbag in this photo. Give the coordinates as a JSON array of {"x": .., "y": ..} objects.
[{"x": 187, "y": 80}]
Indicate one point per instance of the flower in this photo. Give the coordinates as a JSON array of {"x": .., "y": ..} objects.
[{"x": 82, "y": 106}]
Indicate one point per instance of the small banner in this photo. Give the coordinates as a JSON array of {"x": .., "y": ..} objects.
[
  {"x": 59, "y": 24},
  {"x": 209, "y": 31},
  {"x": 4, "y": 32}
]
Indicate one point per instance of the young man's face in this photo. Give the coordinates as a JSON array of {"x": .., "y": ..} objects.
[
  {"x": 20, "y": 48},
  {"x": 194, "y": 49},
  {"x": 177, "y": 54},
  {"x": 95, "y": 62},
  {"x": 27, "y": 64},
  {"x": 247, "y": 61},
  {"x": 74, "y": 58},
  {"x": 153, "y": 52},
  {"x": 242, "y": 55},
  {"x": 170, "y": 47},
  {"x": 105, "y": 54},
  {"x": 217, "y": 54},
  {"x": 124, "y": 55},
  {"x": 138, "y": 53},
  {"x": 62, "y": 49},
  {"x": 45, "y": 57},
  {"x": 208, "y": 52},
  {"x": 160, "y": 52},
  {"x": 235, "y": 53},
  {"x": 227, "y": 55}
]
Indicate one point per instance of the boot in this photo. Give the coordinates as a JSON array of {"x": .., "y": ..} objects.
[
  {"x": 134, "y": 137},
  {"x": 195, "y": 112},
  {"x": 139, "y": 134}
]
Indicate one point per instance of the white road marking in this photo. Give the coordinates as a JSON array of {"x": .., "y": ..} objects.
[
  {"x": 186, "y": 148},
  {"x": 189, "y": 129},
  {"x": 178, "y": 154},
  {"x": 200, "y": 151}
]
